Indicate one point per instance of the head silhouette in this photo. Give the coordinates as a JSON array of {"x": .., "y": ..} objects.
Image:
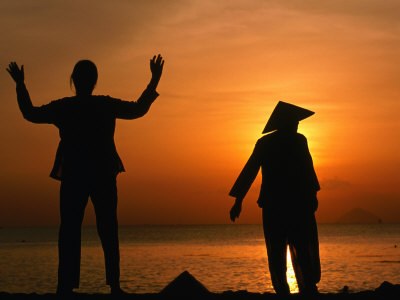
[
  {"x": 288, "y": 126},
  {"x": 84, "y": 77}
]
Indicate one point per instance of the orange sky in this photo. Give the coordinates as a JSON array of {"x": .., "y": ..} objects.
[{"x": 227, "y": 65}]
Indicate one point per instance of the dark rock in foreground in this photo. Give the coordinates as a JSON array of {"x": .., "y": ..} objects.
[{"x": 185, "y": 285}]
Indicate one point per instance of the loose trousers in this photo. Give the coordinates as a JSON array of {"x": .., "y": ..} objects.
[
  {"x": 74, "y": 194},
  {"x": 301, "y": 235}
]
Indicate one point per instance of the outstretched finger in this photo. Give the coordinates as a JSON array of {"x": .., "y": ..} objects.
[
  {"x": 15, "y": 67},
  {"x": 10, "y": 68}
]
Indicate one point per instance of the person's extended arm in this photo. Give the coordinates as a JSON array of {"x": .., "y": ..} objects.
[
  {"x": 244, "y": 182},
  {"x": 136, "y": 109},
  {"x": 31, "y": 113}
]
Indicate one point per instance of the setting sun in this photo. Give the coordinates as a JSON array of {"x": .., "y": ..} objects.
[
  {"x": 150, "y": 153},
  {"x": 227, "y": 66}
]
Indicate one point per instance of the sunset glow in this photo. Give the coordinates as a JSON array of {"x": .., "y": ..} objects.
[{"x": 227, "y": 64}]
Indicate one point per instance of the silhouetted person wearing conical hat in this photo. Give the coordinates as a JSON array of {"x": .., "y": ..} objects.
[
  {"x": 288, "y": 198},
  {"x": 87, "y": 162}
]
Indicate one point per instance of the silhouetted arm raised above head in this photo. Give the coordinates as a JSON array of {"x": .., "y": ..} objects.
[
  {"x": 132, "y": 109},
  {"x": 42, "y": 114}
]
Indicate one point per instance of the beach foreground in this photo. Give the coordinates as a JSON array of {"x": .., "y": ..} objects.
[
  {"x": 386, "y": 293},
  {"x": 185, "y": 286}
]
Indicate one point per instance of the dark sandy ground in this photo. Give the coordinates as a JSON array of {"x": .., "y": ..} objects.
[
  {"x": 185, "y": 286},
  {"x": 385, "y": 291}
]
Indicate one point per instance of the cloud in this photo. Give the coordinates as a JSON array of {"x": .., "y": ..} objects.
[{"x": 334, "y": 183}]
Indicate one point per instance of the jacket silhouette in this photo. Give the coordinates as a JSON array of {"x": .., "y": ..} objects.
[
  {"x": 86, "y": 126},
  {"x": 287, "y": 198},
  {"x": 287, "y": 173}
]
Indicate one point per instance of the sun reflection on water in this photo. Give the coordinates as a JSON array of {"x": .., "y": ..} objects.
[{"x": 291, "y": 278}]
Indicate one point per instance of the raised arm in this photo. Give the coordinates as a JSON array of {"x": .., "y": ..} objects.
[
  {"x": 136, "y": 109},
  {"x": 244, "y": 182},
  {"x": 42, "y": 114}
]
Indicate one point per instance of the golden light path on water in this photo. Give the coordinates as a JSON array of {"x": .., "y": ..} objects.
[{"x": 291, "y": 278}]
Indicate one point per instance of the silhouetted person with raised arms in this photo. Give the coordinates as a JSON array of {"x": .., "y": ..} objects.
[
  {"x": 86, "y": 162},
  {"x": 288, "y": 198}
]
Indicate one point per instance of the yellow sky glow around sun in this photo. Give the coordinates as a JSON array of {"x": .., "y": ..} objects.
[{"x": 227, "y": 65}]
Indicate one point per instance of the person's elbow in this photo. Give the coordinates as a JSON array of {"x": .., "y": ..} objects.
[
  {"x": 138, "y": 112},
  {"x": 143, "y": 110},
  {"x": 28, "y": 115},
  {"x": 31, "y": 115}
]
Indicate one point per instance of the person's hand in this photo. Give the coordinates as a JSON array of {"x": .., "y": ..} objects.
[
  {"x": 16, "y": 73},
  {"x": 156, "y": 66},
  {"x": 235, "y": 210}
]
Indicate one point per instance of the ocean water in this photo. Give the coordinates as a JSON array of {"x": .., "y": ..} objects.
[{"x": 222, "y": 257}]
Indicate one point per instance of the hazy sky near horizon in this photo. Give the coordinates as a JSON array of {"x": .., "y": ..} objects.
[{"x": 227, "y": 65}]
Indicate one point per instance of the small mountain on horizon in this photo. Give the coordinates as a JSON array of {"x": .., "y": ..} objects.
[{"x": 358, "y": 215}]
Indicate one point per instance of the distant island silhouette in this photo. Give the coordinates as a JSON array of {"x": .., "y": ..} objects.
[{"x": 358, "y": 215}]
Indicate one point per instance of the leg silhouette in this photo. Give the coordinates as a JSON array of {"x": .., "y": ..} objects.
[
  {"x": 104, "y": 198},
  {"x": 276, "y": 242},
  {"x": 73, "y": 200},
  {"x": 303, "y": 241}
]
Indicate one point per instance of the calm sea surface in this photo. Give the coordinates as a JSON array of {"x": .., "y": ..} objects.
[{"x": 222, "y": 257}]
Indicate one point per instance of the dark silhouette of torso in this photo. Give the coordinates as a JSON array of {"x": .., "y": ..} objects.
[
  {"x": 288, "y": 176},
  {"x": 86, "y": 125}
]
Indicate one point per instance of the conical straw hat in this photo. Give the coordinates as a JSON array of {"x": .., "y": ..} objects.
[{"x": 286, "y": 112}]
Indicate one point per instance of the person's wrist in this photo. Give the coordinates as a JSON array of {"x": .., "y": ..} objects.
[
  {"x": 155, "y": 76},
  {"x": 151, "y": 86},
  {"x": 20, "y": 83}
]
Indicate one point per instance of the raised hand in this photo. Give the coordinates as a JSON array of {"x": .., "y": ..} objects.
[
  {"x": 156, "y": 66},
  {"x": 16, "y": 73}
]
